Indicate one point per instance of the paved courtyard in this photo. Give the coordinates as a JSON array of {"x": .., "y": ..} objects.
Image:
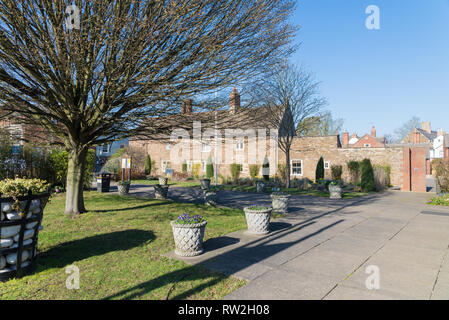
[{"x": 324, "y": 248}]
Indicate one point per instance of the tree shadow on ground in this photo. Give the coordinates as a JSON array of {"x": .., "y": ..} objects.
[
  {"x": 240, "y": 258},
  {"x": 68, "y": 252},
  {"x": 248, "y": 254},
  {"x": 132, "y": 208}
]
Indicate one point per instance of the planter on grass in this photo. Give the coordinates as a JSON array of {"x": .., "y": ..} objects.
[
  {"x": 258, "y": 219},
  {"x": 205, "y": 184},
  {"x": 160, "y": 191},
  {"x": 260, "y": 187},
  {"x": 20, "y": 223},
  {"x": 123, "y": 187},
  {"x": 280, "y": 202},
  {"x": 188, "y": 233},
  {"x": 163, "y": 181},
  {"x": 335, "y": 191}
]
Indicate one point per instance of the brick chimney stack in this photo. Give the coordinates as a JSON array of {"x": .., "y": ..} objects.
[
  {"x": 234, "y": 101},
  {"x": 186, "y": 106},
  {"x": 373, "y": 131},
  {"x": 345, "y": 138},
  {"x": 426, "y": 126}
]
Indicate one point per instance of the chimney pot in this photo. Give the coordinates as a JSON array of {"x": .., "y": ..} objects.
[{"x": 373, "y": 131}]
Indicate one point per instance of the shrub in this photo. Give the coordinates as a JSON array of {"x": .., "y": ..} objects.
[
  {"x": 266, "y": 169},
  {"x": 354, "y": 171},
  {"x": 209, "y": 168},
  {"x": 254, "y": 170},
  {"x": 337, "y": 171},
  {"x": 367, "y": 182},
  {"x": 196, "y": 168},
  {"x": 60, "y": 160},
  {"x": 235, "y": 170},
  {"x": 148, "y": 165},
  {"x": 184, "y": 167},
  {"x": 319, "y": 172},
  {"x": 442, "y": 173},
  {"x": 20, "y": 187}
]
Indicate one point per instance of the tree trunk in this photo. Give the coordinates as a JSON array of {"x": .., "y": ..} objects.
[
  {"x": 287, "y": 168},
  {"x": 75, "y": 180}
]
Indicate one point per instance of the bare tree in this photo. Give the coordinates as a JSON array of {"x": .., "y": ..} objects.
[
  {"x": 127, "y": 61},
  {"x": 402, "y": 132},
  {"x": 323, "y": 124},
  {"x": 293, "y": 96}
]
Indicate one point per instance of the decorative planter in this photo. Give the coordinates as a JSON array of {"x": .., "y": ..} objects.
[
  {"x": 335, "y": 192},
  {"x": 211, "y": 197},
  {"x": 205, "y": 184},
  {"x": 258, "y": 220},
  {"x": 188, "y": 238},
  {"x": 280, "y": 202},
  {"x": 260, "y": 187},
  {"x": 163, "y": 181},
  {"x": 19, "y": 235},
  {"x": 123, "y": 189},
  {"x": 160, "y": 191}
]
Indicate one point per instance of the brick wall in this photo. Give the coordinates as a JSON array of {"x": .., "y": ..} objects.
[{"x": 310, "y": 149}]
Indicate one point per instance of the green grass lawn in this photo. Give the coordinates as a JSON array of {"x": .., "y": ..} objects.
[
  {"x": 315, "y": 193},
  {"x": 118, "y": 248},
  {"x": 192, "y": 183}
]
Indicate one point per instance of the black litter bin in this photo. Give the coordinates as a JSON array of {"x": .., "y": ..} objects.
[{"x": 103, "y": 182}]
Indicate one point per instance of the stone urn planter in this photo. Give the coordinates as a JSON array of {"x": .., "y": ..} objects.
[
  {"x": 260, "y": 187},
  {"x": 335, "y": 191},
  {"x": 161, "y": 191},
  {"x": 188, "y": 234},
  {"x": 163, "y": 181},
  {"x": 123, "y": 187},
  {"x": 280, "y": 202},
  {"x": 20, "y": 223},
  {"x": 205, "y": 184},
  {"x": 211, "y": 196},
  {"x": 258, "y": 219}
]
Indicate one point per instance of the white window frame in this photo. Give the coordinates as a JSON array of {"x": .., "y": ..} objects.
[
  {"x": 205, "y": 147},
  {"x": 164, "y": 165},
  {"x": 240, "y": 144},
  {"x": 327, "y": 165},
  {"x": 102, "y": 148},
  {"x": 302, "y": 168},
  {"x": 168, "y": 146},
  {"x": 367, "y": 145}
]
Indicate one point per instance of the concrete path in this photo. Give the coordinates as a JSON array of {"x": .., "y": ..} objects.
[{"x": 324, "y": 248}]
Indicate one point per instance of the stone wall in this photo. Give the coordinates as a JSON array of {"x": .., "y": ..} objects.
[{"x": 310, "y": 149}]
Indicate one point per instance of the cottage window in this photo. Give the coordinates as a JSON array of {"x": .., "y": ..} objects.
[
  {"x": 327, "y": 165},
  {"x": 296, "y": 167},
  {"x": 240, "y": 145},
  {"x": 205, "y": 147},
  {"x": 165, "y": 165},
  {"x": 367, "y": 145},
  {"x": 168, "y": 146},
  {"x": 105, "y": 148}
]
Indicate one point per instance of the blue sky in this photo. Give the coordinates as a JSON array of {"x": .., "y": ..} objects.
[{"x": 378, "y": 77}]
